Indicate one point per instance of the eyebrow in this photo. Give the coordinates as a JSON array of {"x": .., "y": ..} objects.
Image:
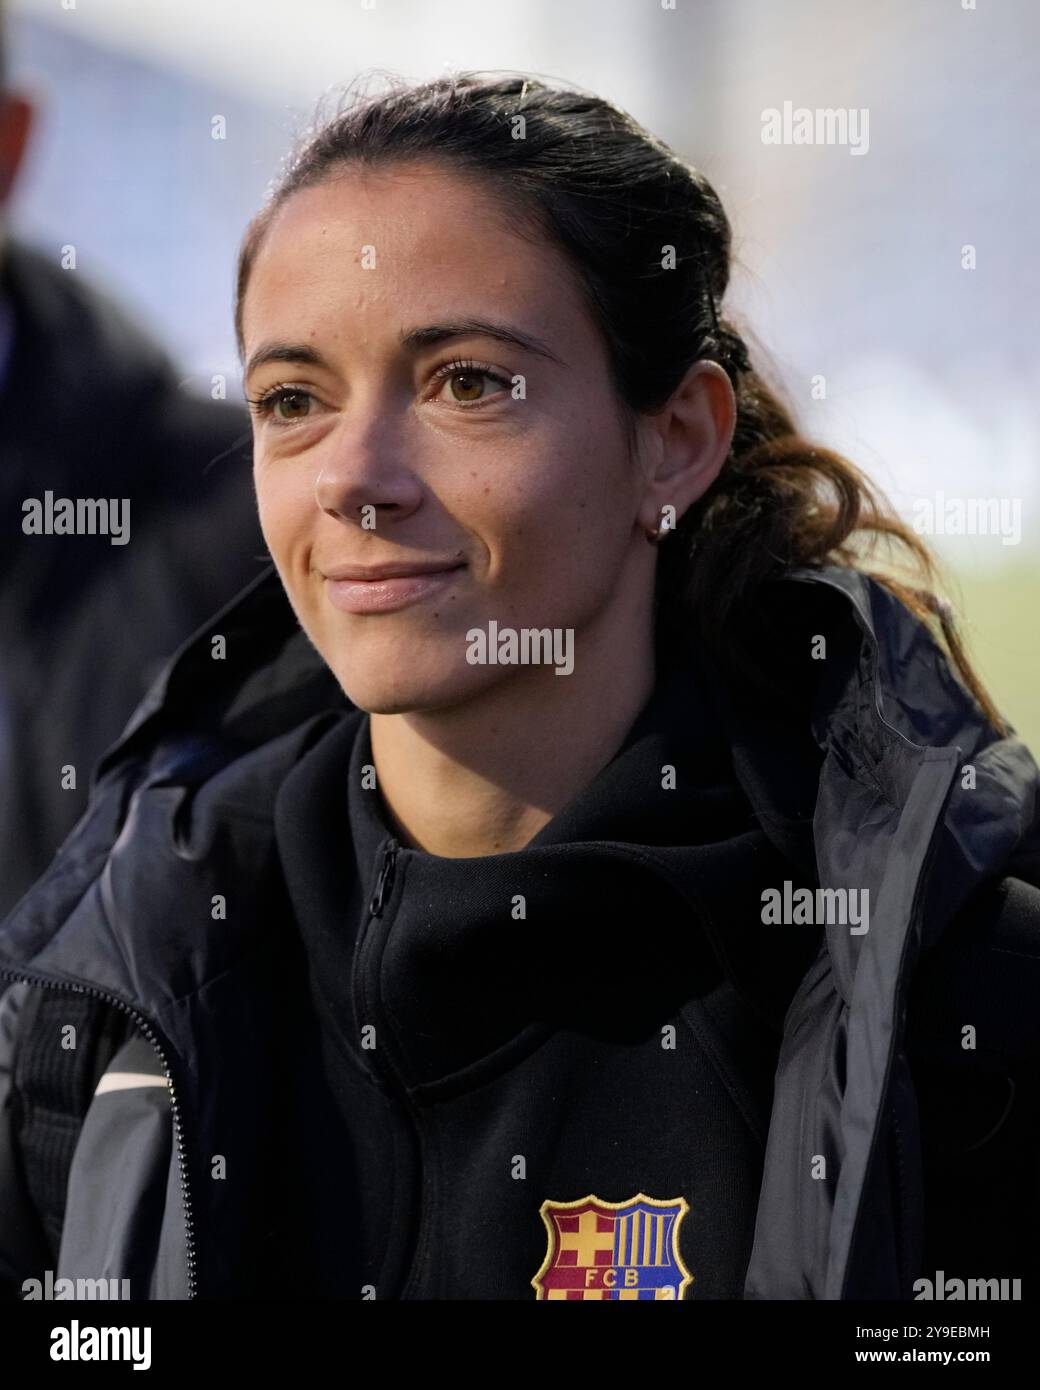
[{"x": 415, "y": 340}]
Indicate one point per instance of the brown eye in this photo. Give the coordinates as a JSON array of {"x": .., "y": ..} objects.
[
  {"x": 472, "y": 385},
  {"x": 291, "y": 405},
  {"x": 468, "y": 381},
  {"x": 283, "y": 405}
]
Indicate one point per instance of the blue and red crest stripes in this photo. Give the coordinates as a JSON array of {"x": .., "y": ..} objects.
[{"x": 613, "y": 1250}]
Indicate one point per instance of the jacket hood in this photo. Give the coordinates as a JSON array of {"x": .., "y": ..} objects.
[{"x": 857, "y": 779}]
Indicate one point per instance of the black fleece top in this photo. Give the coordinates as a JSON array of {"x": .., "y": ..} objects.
[{"x": 592, "y": 1020}]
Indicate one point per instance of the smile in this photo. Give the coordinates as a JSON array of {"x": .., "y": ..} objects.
[{"x": 389, "y": 593}]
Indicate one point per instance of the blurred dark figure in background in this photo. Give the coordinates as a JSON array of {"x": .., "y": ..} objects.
[{"x": 90, "y": 408}]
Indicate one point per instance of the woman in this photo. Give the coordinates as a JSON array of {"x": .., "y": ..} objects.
[{"x": 488, "y": 903}]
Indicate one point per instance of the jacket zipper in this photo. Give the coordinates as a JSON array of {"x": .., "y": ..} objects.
[
  {"x": 384, "y": 880},
  {"x": 379, "y": 1061},
  {"x": 148, "y": 1031}
]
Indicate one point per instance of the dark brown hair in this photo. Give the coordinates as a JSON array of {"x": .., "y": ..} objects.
[{"x": 650, "y": 243}]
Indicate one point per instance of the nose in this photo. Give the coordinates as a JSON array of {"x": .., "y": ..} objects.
[{"x": 363, "y": 480}]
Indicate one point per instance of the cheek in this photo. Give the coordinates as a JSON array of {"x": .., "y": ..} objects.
[
  {"x": 563, "y": 518},
  {"x": 284, "y": 506}
]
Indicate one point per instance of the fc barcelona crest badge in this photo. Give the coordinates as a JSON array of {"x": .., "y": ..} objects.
[{"x": 613, "y": 1250}]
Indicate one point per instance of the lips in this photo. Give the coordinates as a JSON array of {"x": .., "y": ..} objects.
[
  {"x": 386, "y": 588},
  {"x": 400, "y": 569}
]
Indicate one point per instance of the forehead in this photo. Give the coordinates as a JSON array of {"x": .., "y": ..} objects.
[{"x": 398, "y": 240}]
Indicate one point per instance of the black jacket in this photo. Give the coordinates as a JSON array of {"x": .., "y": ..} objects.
[
  {"x": 545, "y": 1025},
  {"x": 172, "y": 930},
  {"x": 90, "y": 407}
]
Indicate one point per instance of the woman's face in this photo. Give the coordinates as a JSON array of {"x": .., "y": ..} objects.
[{"x": 508, "y": 474}]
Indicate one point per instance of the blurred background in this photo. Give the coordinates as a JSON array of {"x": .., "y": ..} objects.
[{"x": 893, "y": 344}]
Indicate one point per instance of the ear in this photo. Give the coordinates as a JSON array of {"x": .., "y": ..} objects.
[{"x": 689, "y": 440}]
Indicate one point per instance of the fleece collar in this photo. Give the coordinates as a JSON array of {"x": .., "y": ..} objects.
[{"x": 635, "y": 896}]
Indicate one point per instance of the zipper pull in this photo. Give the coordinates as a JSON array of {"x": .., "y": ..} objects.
[{"x": 384, "y": 882}]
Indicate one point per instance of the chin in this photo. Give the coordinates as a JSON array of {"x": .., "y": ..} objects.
[{"x": 408, "y": 691}]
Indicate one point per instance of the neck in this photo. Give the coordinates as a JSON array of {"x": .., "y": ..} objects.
[{"x": 485, "y": 775}]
